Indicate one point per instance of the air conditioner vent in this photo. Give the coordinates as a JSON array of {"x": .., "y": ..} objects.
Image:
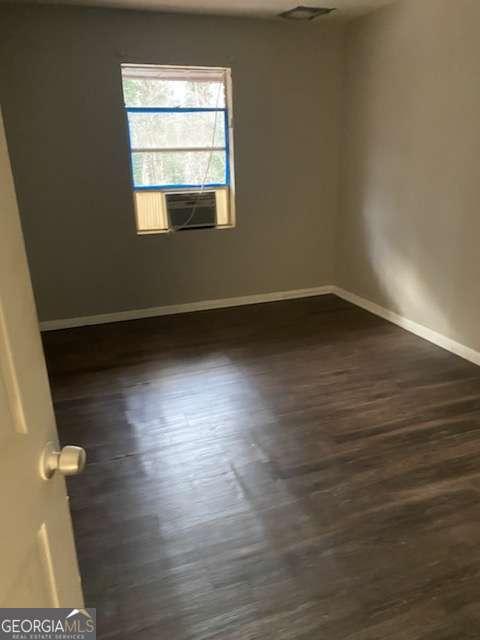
[{"x": 191, "y": 210}]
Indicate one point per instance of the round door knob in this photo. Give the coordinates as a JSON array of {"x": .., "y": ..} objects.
[{"x": 68, "y": 461}]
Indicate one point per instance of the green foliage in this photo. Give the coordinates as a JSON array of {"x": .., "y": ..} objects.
[{"x": 178, "y": 130}]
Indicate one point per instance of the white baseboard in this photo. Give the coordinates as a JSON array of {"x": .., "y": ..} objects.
[
  {"x": 203, "y": 305},
  {"x": 418, "y": 329}
]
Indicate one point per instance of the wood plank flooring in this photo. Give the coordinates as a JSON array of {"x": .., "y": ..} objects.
[{"x": 298, "y": 470}]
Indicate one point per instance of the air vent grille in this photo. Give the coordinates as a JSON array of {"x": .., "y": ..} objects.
[
  {"x": 305, "y": 13},
  {"x": 191, "y": 210}
]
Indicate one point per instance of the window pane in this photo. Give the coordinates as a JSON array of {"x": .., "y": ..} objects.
[
  {"x": 150, "y": 130},
  {"x": 153, "y": 92},
  {"x": 178, "y": 168}
]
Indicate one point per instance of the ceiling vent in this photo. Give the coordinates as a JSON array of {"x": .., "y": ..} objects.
[{"x": 305, "y": 13}]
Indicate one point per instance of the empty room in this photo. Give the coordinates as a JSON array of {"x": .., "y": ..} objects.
[{"x": 240, "y": 320}]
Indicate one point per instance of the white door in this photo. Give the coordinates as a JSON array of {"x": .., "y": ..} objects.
[{"x": 38, "y": 564}]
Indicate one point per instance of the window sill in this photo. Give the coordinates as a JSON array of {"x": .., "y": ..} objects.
[{"x": 169, "y": 232}]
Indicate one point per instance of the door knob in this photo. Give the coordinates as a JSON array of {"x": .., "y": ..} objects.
[{"x": 68, "y": 461}]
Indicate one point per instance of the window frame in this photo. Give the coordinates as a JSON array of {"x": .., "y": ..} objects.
[
  {"x": 224, "y": 149},
  {"x": 226, "y": 192}
]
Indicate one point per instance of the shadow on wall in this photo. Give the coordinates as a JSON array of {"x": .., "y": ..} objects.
[{"x": 409, "y": 220}]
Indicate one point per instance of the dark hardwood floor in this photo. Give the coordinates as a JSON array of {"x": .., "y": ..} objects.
[{"x": 296, "y": 470}]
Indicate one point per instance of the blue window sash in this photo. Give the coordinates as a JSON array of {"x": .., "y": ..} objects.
[
  {"x": 173, "y": 109},
  {"x": 163, "y": 187}
]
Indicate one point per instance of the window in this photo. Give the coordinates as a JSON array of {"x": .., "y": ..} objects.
[{"x": 180, "y": 132}]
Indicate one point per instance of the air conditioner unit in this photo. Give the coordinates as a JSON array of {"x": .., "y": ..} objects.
[{"x": 191, "y": 209}]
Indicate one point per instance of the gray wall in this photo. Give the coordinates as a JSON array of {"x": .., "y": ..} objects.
[
  {"x": 408, "y": 235},
  {"x": 62, "y": 102}
]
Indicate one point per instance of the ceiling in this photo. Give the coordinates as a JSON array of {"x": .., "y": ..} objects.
[{"x": 255, "y": 8}]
